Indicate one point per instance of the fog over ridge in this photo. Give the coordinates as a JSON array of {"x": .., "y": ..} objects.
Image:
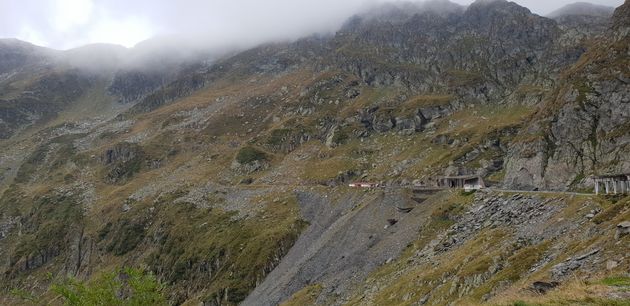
[{"x": 65, "y": 24}]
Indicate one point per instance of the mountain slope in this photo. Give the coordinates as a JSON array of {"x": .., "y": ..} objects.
[{"x": 226, "y": 179}]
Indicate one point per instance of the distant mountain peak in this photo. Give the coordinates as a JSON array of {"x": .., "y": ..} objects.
[
  {"x": 498, "y": 5},
  {"x": 583, "y": 9},
  {"x": 16, "y": 53},
  {"x": 485, "y": 11},
  {"x": 442, "y": 6},
  {"x": 16, "y": 43},
  {"x": 400, "y": 11},
  {"x": 491, "y": 2}
]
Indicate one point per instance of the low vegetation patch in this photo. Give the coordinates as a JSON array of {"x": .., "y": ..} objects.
[
  {"x": 278, "y": 136},
  {"x": 250, "y": 154},
  {"x": 618, "y": 281},
  {"x": 427, "y": 101},
  {"x": 306, "y": 296},
  {"x": 46, "y": 231},
  {"x": 612, "y": 211},
  {"x": 122, "y": 287},
  {"x": 214, "y": 254},
  {"x": 127, "y": 235}
]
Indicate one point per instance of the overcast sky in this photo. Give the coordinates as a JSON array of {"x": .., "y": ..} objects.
[{"x": 64, "y": 24}]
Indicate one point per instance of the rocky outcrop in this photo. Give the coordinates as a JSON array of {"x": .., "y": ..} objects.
[
  {"x": 132, "y": 85},
  {"x": 562, "y": 270},
  {"x": 621, "y": 17},
  {"x": 7, "y": 223},
  {"x": 123, "y": 161},
  {"x": 583, "y": 128},
  {"x": 186, "y": 85},
  {"x": 287, "y": 139},
  {"x": 121, "y": 152},
  {"x": 385, "y": 120},
  {"x": 623, "y": 229}
]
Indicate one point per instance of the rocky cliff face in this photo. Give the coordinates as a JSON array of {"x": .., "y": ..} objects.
[
  {"x": 481, "y": 54},
  {"x": 582, "y": 128},
  {"x": 620, "y": 17}
]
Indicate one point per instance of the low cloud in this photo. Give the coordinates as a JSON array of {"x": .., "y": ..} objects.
[{"x": 64, "y": 24}]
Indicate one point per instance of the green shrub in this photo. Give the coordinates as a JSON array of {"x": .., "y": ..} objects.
[
  {"x": 30, "y": 164},
  {"x": 278, "y": 136},
  {"x": 468, "y": 193},
  {"x": 611, "y": 212},
  {"x": 447, "y": 213},
  {"x": 50, "y": 221},
  {"x": 128, "y": 236},
  {"x": 340, "y": 137},
  {"x": 617, "y": 281},
  {"x": 122, "y": 287},
  {"x": 250, "y": 154}
]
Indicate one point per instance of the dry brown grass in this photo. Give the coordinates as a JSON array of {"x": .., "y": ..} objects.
[
  {"x": 306, "y": 296},
  {"x": 575, "y": 292},
  {"x": 427, "y": 101},
  {"x": 484, "y": 119}
]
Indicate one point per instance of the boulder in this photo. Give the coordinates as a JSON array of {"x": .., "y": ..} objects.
[
  {"x": 611, "y": 264},
  {"x": 623, "y": 229},
  {"x": 543, "y": 287}
]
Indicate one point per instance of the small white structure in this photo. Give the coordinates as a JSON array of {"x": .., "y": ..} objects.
[
  {"x": 612, "y": 184},
  {"x": 363, "y": 185},
  {"x": 471, "y": 187},
  {"x": 468, "y": 182}
]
